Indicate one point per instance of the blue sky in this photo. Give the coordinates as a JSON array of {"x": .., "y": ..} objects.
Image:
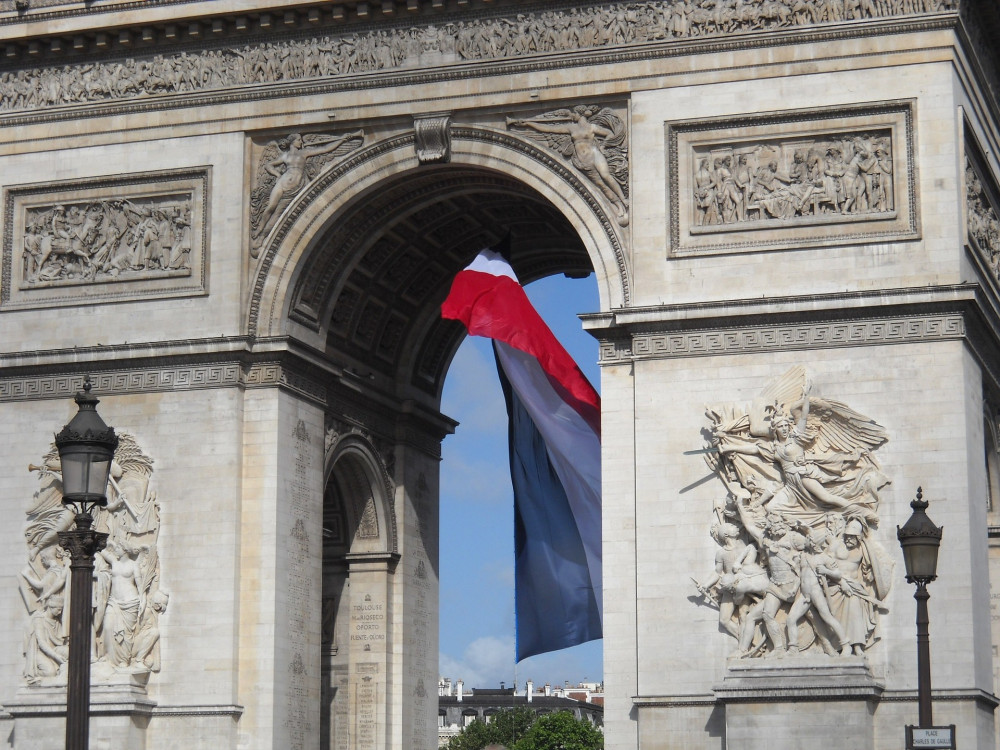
[{"x": 477, "y": 513}]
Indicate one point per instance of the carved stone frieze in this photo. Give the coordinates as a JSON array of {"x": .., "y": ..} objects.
[
  {"x": 128, "y": 596},
  {"x": 131, "y": 236},
  {"x": 285, "y": 166},
  {"x": 594, "y": 140},
  {"x": 834, "y": 177},
  {"x": 466, "y": 38},
  {"x": 799, "y": 565},
  {"x": 789, "y": 179}
]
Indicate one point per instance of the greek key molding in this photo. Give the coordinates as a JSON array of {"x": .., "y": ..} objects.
[
  {"x": 269, "y": 374},
  {"x": 92, "y": 241},
  {"x": 754, "y": 339},
  {"x": 151, "y": 380},
  {"x": 792, "y": 179}
]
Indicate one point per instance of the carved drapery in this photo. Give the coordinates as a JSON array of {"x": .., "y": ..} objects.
[
  {"x": 128, "y": 599},
  {"x": 402, "y": 46},
  {"x": 799, "y": 566}
]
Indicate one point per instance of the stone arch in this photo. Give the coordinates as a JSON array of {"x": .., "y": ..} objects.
[
  {"x": 355, "y": 471},
  {"x": 322, "y": 237}
]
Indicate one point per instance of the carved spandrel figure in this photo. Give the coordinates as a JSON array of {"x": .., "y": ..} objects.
[
  {"x": 285, "y": 168},
  {"x": 595, "y": 143},
  {"x": 814, "y": 478}
]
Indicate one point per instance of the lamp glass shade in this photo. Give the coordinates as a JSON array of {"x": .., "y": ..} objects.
[
  {"x": 920, "y": 556},
  {"x": 86, "y": 448},
  {"x": 85, "y": 469}
]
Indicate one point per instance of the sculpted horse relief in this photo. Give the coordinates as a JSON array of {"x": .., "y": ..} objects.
[{"x": 799, "y": 566}]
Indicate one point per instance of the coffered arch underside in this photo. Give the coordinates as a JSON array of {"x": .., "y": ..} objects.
[{"x": 362, "y": 258}]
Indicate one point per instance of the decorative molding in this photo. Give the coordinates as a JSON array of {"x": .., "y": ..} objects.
[
  {"x": 712, "y": 342},
  {"x": 120, "y": 382},
  {"x": 264, "y": 57},
  {"x": 228, "y": 710},
  {"x": 433, "y": 138},
  {"x": 106, "y": 239},
  {"x": 269, "y": 374},
  {"x": 792, "y": 179},
  {"x": 674, "y": 701}
]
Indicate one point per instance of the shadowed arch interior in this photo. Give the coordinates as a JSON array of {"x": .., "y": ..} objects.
[{"x": 375, "y": 278}]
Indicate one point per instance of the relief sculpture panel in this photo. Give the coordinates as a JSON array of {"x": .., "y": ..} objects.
[
  {"x": 130, "y": 236},
  {"x": 128, "y": 598},
  {"x": 982, "y": 220},
  {"x": 799, "y": 565},
  {"x": 791, "y": 179}
]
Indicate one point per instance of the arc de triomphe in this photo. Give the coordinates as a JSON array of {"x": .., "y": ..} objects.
[{"x": 241, "y": 219}]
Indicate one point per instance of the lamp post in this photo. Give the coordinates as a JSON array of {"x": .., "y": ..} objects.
[
  {"x": 920, "y": 539},
  {"x": 86, "y": 448}
]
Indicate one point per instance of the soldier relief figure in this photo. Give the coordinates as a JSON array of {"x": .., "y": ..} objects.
[
  {"x": 846, "y": 175},
  {"x": 799, "y": 566},
  {"x": 128, "y": 600},
  {"x": 106, "y": 240}
]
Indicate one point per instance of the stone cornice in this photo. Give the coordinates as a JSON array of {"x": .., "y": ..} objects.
[{"x": 963, "y": 312}]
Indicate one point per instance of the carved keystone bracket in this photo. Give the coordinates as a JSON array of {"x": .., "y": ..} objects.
[{"x": 433, "y": 138}]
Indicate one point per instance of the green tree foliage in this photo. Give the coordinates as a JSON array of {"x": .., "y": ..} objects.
[
  {"x": 521, "y": 729},
  {"x": 561, "y": 731},
  {"x": 504, "y": 728}
]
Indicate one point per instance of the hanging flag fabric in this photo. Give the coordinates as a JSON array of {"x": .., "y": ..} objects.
[{"x": 555, "y": 457}]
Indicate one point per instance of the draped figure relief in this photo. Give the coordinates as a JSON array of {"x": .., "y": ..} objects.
[{"x": 128, "y": 599}]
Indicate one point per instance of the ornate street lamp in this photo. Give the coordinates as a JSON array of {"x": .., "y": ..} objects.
[
  {"x": 86, "y": 448},
  {"x": 920, "y": 539}
]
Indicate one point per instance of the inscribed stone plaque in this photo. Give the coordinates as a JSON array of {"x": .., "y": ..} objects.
[
  {"x": 107, "y": 239},
  {"x": 792, "y": 179}
]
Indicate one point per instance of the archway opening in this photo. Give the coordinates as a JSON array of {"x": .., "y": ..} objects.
[{"x": 371, "y": 285}]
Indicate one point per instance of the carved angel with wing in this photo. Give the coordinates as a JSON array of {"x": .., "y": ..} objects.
[
  {"x": 285, "y": 167},
  {"x": 813, "y": 454},
  {"x": 594, "y": 140}
]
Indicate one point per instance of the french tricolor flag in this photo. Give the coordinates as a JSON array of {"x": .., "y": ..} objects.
[{"x": 555, "y": 459}]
